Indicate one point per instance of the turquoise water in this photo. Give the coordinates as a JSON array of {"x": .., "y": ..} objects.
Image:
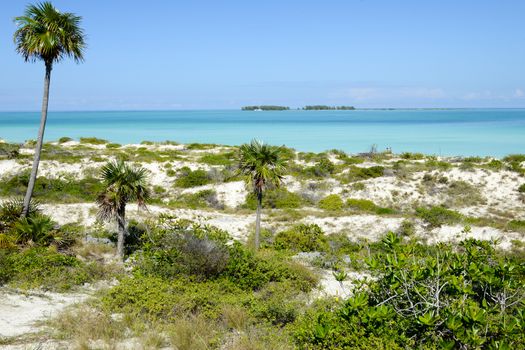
[{"x": 441, "y": 132}]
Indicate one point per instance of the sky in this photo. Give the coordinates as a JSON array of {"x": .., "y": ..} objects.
[{"x": 163, "y": 55}]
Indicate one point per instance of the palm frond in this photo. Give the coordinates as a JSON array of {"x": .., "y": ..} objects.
[
  {"x": 261, "y": 164},
  {"x": 44, "y": 33},
  {"x": 123, "y": 184}
]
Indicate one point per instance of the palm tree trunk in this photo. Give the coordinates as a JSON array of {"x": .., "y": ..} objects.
[
  {"x": 40, "y": 140},
  {"x": 121, "y": 222},
  {"x": 258, "y": 220}
]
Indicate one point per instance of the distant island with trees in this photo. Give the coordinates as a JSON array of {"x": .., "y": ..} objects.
[
  {"x": 306, "y": 108},
  {"x": 265, "y": 108}
]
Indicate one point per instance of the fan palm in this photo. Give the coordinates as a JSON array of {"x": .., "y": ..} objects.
[
  {"x": 47, "y": 35},
  {"x": 263, "y": 165},
  {"x": 123, "y": 184}
]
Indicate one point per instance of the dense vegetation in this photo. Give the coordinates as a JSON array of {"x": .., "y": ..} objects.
[{"x": 265, "y": 108}]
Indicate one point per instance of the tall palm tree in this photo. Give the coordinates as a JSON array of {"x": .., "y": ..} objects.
[
  {"x": 47, "y": 35},
  {"x": 263, "y": 165},
  {"x": 122, "y": 184}
]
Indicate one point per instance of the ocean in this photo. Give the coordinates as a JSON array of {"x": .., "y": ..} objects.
[{"x": 455, "y": 132}]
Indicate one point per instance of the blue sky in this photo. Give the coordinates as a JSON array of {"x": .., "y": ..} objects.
[{"x": 226, "y": 54}]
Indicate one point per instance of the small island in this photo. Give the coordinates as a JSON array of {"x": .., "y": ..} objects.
[
  {"x": 325, "y": 108},
  {"x": 265, "y": 108}
]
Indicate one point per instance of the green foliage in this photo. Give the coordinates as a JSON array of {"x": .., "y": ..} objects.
[
  {"x": 361, "y": 204},
  {"x": 412, "y": 156},
  {"x": 367, "y": 206},
  {"x": 322, "y": 168},
  {"x": 277, "y": 198},
  {"x": 64, "y": 139},
  {"x": 93, "y": 141},
  {"x": 332, "y": 202},
  {"x": 192, "y": 178},
  {"x": 521, "y": 189},
  {"x": 516, "y": 225},
  {"x": 201, "y": 199},
  {"x": 466, "y": 298},
  {"x": 113, "y": 145},
  {"x": 358, "y": 173},
  {"x": 43, "y": 268},
  {"x": 63, "y": 189},
  {"x": 437, "y": 216},
  {"x": 265, "y": 108},
  {"x": 9, "y": 150},
  {"x": 218, "y": 158},
  {"x": 462, "y": 194},
  {"x": 514, "y": 158},
  {"x": 301, "y": 238}
]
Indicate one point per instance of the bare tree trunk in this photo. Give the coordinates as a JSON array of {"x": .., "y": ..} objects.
[
  {"x": 121, "y": 222},
  {"x": 258, "y": 220},
  {"x": 40, "y": 140}
]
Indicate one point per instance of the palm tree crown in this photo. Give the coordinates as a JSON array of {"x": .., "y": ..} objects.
[
  {"x": 123, "y": 184},
  {"x": 262, "y": 164},
  {"x": 44, "y": 33}
]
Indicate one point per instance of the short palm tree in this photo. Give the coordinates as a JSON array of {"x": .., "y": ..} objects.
[
  {"x": 122, "y": 184},
  {"x": 263, "y": 165},
  {"x": 47, "y": 35}
]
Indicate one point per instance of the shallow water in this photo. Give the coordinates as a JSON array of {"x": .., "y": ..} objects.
[{"x": 494, "y": 132}]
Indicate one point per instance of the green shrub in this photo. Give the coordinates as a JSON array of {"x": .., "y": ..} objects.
[
  {"x": 277, "y": 198},
  {"x": 514, "y": 158},
  {"x": 201, "y": 199},
  {"x": 463, "y": 194},
  {"x": 63, "y": 190},
  {"x": 516, "y": 225},
  {"x": 456, "y": 304},
  {"x": 361, "y": 204},
  {"x": 322, "y": 168},
  {"x": 301, "y": 238},
  {"x": 332, "y": 202},
  {"x": 218, "y": 158},
  {"x": 113, "y": 145},
  {"x": 42, "y": 268},
  {"x": 437, "y": 216},
  {"x": 521, "y": 189},
  {"x": 368, "y": 206},
  {"x": 412, "y": 156},
  {"x": 64, "y": 139},
  {"x": 357, "y": 173},
  {"x": 9, "y": 150},
  {"x": 93, "y": 141},
  {"x": 189, "y": 178}
]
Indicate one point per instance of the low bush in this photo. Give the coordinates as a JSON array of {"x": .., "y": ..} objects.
[
  {"x": 201, "y": 199},
  {"x": 322, "y": 168},
  {"x": 277, "y": 198},
  {"x": 463, "y": 194},
  {"x": 64, "y": 139},
  {"x": 361, "y": 204},
  {"x": 218, "y": 158},
  {"x": 521, "y": 189},
  {"x": 368, "y": 206},
  {"x": 64, "y": 190},
  {"x": 516, "y": 225},
  {"x": 192, "y": 178},
  {"x": 448, "y": 297},
  {"x": 301, "y": 238},
  {"x": 45, "y": 268},
  {"x": 9, "y": 150},
  {"x": 332, "y": 202},
  {"x": 437, "y": 216},
  {"x": 93, "y": 141},
  {"x": 358, "y": 173}
]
